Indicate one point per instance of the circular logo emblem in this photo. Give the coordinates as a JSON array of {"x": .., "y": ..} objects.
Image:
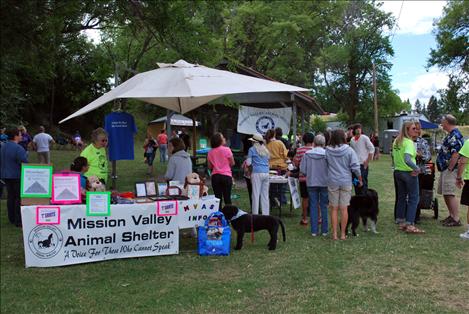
[
  {"x": 45, "y": 241},
  {"x": 264, "y": 123}
]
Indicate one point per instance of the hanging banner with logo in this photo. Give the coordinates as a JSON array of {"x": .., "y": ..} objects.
[
  {"x": 132, "y": 230},
  {"x": 258, "y": 120}
]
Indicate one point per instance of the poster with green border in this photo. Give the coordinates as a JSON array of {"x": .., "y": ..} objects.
[
  {"x": 98, "y": 203},
  {"x": 36, "y": 181}
]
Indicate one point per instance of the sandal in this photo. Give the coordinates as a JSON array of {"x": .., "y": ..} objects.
[
  {"x": 452, "y": 223},
  {"x": 402, "y": 226},
  {"x": 446, "y": 220},
  {"x": 414, "y": 230},
  {"x": 303, "y": 222}
]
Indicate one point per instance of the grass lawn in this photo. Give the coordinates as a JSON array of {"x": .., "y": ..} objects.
[{"x": 387, "y": 272}]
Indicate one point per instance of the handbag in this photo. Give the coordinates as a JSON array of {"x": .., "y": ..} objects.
[{"x": 214, "y": 236}]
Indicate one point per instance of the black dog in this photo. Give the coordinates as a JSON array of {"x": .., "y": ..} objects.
[
  {"x": 248, "y": 223},
  {"x": 363, "y": 205}
]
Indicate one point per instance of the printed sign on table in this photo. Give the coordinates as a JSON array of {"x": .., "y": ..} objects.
[
  {"x": 47, "y": 215},
  {"x": 36, "y": 180},
  {"x": 167, "y": 208},
  {"x": 66, "y": 188},
  {"x": 193, "y": 191},
  {"x": 294, "y": 188},
  {"x": 192, "y": 213},
  {"x": 98, "y": 203}
]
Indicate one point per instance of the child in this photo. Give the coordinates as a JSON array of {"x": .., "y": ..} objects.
[
  {"x": 80, "y": 165},
  {"x": 341, "y": 162}
]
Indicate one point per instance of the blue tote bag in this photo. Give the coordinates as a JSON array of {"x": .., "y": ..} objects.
[{"x": 214, "y": 237}]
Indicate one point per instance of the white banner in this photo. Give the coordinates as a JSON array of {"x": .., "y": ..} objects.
[
  {"x": 194, "y": 212},
  {"x": 130, "y": 231},
  {"x": 258, "y": 120}
]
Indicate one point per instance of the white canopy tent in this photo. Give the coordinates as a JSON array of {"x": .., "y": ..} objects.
[{"x": 182, "y": 87}]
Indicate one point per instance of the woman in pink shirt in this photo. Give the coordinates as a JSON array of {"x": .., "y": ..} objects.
[{"x": 220, "y": 160}]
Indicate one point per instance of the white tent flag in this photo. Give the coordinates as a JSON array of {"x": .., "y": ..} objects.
[{"x": 258, "y": 120}]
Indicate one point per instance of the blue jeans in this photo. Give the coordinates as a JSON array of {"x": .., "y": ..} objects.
[
  {"x": 364, "y": 173},
  {"x": 318, "y": 194},
  {"x": 407, "y": 196},
  {"x": 163, "y": 151}
]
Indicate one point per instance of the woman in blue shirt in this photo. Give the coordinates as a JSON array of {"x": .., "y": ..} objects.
[{"x": 258, "y": 159}]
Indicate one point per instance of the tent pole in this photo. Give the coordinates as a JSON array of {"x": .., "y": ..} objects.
[
  {"x": 194, "y": 134},
  {"x": 169, "y": 115}
]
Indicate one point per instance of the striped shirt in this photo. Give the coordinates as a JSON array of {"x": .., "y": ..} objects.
[{"x": 300, "y": 151}]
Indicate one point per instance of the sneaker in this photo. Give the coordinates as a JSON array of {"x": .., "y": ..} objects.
[
  {"x": 464, "y": 235},
  {"x": 452, "y": 223},
  {"x": 324, "y": 234},
  {"x": 314, "y": 234},
  {"x": 447, "y": 219}
]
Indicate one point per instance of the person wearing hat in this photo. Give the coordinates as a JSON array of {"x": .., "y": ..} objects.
[{"x": 258, "y": 159}]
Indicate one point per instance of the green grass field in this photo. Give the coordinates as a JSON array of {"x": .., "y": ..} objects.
[{"x": 390, "y": 272}]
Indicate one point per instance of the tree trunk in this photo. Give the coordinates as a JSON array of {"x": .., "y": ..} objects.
[{"x": 52, "y": 105}]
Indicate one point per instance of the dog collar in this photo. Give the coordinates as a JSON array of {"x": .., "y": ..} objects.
[{"x": 239, "y": 214}]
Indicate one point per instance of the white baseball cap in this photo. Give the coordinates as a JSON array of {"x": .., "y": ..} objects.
[{"x": 256, "y": 138}]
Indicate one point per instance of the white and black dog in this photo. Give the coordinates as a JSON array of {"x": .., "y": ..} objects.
[
  {"x": 364, "y": 206},
  {"x": 243, "y": 222}
]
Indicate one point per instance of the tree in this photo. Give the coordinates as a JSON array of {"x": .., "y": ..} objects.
[
  {"x": 433, "y": 109},
  {"x": 354, "y": 41},
  {"x": 452, "y": 37},
  {"x": 50, "y": 65},
  {"x": 452, "y": 54},
  {"x": 453, "y": 102},
  {"x": 418, "y": 106}
]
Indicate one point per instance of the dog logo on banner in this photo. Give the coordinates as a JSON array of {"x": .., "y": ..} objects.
[
  {"x": 45, "y": 241},
  {"x": 264, "y": 123}
]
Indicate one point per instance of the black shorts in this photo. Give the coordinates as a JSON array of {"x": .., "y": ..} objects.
[
  {"x": 303, "y": 190},
  {"x": 465, "y": 193}
]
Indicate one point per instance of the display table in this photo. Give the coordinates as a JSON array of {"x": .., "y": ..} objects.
[
  {"x": 293, "y": 190},
  {"x": 131, "y": 230}
]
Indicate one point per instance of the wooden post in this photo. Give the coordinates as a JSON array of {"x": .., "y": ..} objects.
[
  {"x": 303, "y": 121},
  {"x": 117, "y": 104},
  {"x": 294, "y": 120},
  {"x": 375, "y": 101}
]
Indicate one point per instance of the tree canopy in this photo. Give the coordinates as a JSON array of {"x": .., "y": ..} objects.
[
  {"x": 50, "y": 68},
  {"x": 452, "y": 55}
]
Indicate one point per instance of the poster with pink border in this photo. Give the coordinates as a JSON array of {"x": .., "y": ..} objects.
[
  {"x": 66, "y": 188},
  {"x": 167, "y": 208},
  {"x": 48, "y": 215}
]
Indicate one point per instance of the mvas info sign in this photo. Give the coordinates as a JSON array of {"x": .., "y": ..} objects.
[{"x": 73, "y": 238}]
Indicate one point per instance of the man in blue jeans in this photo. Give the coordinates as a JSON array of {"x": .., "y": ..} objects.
[
  {"x": 314, "y": 167},
  {"x": 11, "y": 157},
  {"x": 365, "y": 151}
]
